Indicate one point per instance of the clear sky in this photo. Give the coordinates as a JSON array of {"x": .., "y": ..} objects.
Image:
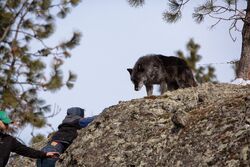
[{"x": 115, "y": 35}]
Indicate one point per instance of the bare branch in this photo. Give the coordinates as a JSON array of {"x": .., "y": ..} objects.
[
  {"x": 6, "y": 31},
  {"x": 56, "y": 111},
  {"x": 22, "y": 17},
  {"x": 212, "y": 26},
  {"x": 33, "y": 36},
  {"x": 230, "y": 29}
]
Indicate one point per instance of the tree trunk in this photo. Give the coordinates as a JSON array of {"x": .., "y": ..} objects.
[{"x": 243, "y": 69}]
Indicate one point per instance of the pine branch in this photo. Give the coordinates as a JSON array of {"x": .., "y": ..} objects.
[
  {"x": 172, "y": 17},
  {"x": 136, "y": 3},
  {"x": 175, "y": 8},
  {"x": 12, "y": 21}
]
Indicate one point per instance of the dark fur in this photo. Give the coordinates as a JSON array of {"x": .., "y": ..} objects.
[{"x": 170, "y": 72}]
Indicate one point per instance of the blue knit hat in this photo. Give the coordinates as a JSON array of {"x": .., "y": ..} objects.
[{"x": 76, "y": 111}]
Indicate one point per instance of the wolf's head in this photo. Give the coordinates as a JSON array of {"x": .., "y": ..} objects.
[{"x": 137, "y": 76}]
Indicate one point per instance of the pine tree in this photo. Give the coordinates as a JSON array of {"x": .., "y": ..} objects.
[
  {"x": 202, "y": 74},
  {"x": 23, "y": 71},
  {"x": 233, "y": 11}
]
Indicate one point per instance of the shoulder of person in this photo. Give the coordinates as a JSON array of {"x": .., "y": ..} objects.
[{"x": 8, "y": 137}]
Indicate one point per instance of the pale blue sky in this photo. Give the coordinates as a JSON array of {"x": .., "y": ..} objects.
[{"x": 115, "y": 35}]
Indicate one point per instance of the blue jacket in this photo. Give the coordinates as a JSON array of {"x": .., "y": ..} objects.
[{"x": 85, "y": 121}]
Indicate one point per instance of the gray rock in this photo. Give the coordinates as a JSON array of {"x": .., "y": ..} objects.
[{"x": 203, "y": 126}]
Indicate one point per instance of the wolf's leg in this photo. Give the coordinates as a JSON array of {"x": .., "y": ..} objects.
[
  {"x": 149, "y": 89},
  {"x": 181, "y": 83},
  {"x": 189, "y": 78},
  {"x": 192, "y": 81},
  {"x": 172, "y": 85},
  {"x": 163, "y": 87},
  {"x": 184, "y": 79}
]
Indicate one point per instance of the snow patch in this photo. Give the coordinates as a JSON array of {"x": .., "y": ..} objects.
[{"x": 240, "y": 81}]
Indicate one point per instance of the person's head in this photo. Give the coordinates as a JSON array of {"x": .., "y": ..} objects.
[{"x": 4, "y": 121}]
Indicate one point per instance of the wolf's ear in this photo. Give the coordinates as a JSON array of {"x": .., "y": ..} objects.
[{"x": 130, "y": 70}]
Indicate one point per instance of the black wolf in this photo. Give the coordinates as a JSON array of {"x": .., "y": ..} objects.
[{"x": 168, "y": 71}]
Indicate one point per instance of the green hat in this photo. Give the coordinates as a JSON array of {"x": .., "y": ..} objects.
[{"x": 4, "y": 117}]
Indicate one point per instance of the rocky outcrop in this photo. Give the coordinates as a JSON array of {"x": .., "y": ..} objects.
[{"x": 208, "y": 125}]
